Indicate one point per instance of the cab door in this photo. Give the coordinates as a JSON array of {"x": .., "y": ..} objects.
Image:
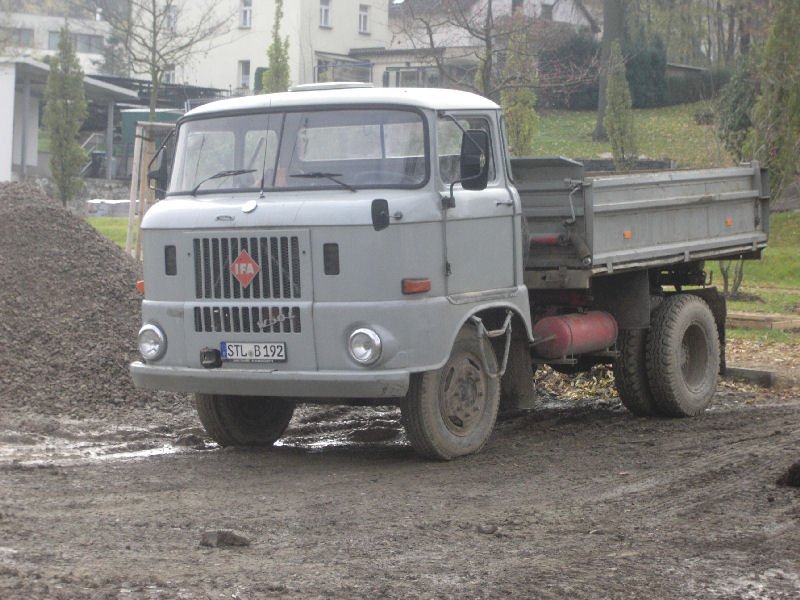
[{"x": 479, "y": 234}]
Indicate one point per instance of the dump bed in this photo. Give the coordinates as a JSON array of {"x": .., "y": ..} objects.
[{"x": 586, "y": 225}]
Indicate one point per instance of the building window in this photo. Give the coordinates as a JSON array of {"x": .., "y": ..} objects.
[
  {"x": 171, "y": 19},
  {"x": 517, "y": 5},
  {"x": 363, "y": 18},
  {"x": 323, "y": 71},
  {"x": 246, "y": 14},
  {"x": 169, "y": 75},
  {"x": 17, "y": 37},
  {"x": 547, "y": 12},
  {"x": 244, "y": 74},
  {"x": 324, "y": 13},
  {"x": 81, "y": 42}
]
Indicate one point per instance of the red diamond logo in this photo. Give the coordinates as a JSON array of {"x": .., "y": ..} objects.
[{"x": 244, "y": 268}]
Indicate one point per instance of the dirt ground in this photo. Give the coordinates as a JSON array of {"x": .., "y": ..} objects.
[
  {"x": 107, "y": 491},
  {"x": 577, "y": 499}
]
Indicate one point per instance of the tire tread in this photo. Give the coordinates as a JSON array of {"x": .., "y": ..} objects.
[{"x": 664, "y": 375}]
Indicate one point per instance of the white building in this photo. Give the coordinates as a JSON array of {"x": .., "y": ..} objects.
[
  {"x": 22, "y": 84},
  {"x": 322, "y": 34},
  {"x": 36, "y": 36}
]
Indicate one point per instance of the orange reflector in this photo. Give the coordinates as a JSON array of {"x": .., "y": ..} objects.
[
  {"x": 627, "y": 234},
  {"x": 729, "y": 222},
  {"x": 416, "y": 286},
  {"x": 140, "y": 286}
]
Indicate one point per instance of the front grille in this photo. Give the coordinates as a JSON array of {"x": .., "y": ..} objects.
[
  {"x": 277, "y": 256},
  {"x": 247, "y": 319}
]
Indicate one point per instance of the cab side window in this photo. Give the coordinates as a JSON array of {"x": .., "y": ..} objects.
[{"x": 449, "y": 146}]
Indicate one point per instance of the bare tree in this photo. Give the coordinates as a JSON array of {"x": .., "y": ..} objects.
[
  {"x": 467, "y": 42},
  {"x": 701, "y": 32},
  {"x": 158, "y": 35}
]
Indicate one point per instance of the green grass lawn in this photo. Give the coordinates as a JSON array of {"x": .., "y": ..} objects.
[
  {"x": 780, "y": 265},
  {"x": 775, "y": 280},
  {"x": 661, "y": 133},
  {"x": 114, "y": 228},
  {"x": 778, "y": 269}
]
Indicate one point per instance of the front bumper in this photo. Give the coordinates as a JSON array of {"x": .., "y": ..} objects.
[{"x": 293, "y": 384}]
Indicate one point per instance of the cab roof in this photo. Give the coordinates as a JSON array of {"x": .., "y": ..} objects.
[{"x": 427, "y": 98}]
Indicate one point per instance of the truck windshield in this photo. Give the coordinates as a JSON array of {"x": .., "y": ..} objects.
[{"x": 331, "y": 149}]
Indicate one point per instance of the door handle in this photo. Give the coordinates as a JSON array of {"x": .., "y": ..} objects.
[{"x": 504, "y": 203}]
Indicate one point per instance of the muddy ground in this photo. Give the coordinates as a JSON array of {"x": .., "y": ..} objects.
[
  {"x": 577, "y": 499},
  {"x": 107, "y": 491}
]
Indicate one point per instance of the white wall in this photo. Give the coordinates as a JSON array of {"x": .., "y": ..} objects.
[
  {"x": 41, "y": 26},
  {"x": 7, "y": 77},
  {"x": 32, "y": 138},
  {"x": 218, "y": 66}
]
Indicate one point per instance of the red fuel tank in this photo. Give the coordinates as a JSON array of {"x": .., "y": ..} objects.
[{"x": 575, "y": 333}]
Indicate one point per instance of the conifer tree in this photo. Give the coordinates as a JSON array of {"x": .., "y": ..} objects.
[
  {"x": 64, "y": 112},
  {"x": 619, "y": 112},
  {"x": 276, "y": 78},
  {"x": 518, "y": 98}
]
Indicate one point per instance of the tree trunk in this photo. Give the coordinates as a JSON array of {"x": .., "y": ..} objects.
[
  {"x": 732, "y": 11},
  {"x": 613, "y": 29}
]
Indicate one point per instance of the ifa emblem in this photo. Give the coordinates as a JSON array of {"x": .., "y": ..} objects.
[{"x": 244, "y": 268}]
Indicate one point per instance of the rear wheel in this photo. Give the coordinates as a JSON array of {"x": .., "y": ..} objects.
[
  {"x": 451, "y": 412},
  {"x": 243, "y": 420},
  {"x": 683, "y": 356},
  {"x": 630, "y": 373}
]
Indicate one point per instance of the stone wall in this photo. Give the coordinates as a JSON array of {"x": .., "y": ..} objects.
[{"x": 116, "y": 189}]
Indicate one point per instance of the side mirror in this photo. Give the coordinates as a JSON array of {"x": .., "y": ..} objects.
[
  {"x": 474, "y": 159},
  {"x": 158, "y": 178}
]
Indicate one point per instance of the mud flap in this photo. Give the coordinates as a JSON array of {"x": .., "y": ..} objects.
[
  {"x": 517, "y": 392},
  {"x": 515, "y": 369}
]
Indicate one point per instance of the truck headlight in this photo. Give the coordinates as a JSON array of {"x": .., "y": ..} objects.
[
  {"x": 152, "y": 342},
  {"x": 365, "y": 346}
]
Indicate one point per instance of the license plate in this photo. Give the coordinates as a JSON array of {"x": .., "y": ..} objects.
[{"x": 253, "y": 352}]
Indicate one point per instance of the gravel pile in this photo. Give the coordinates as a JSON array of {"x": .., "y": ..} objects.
[{"x": 69, "y": 315}]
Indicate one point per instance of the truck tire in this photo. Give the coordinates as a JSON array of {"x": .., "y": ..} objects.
[
  {"x": 243, "y": 420},
  {"x": 682, "y": 356},
  {"x": 451, "y": 412},
  {"x": 630, "y": 373}
]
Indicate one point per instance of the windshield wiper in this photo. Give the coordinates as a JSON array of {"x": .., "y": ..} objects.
[
  {"x": 321, "y": 175},
  {"x": 220, "y": 175}
]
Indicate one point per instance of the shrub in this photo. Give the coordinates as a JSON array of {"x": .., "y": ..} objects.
[
  {"x": 646, "y": 66},
  {"x": 735, "y": 106},
  {"x": 568, "y": 71}
]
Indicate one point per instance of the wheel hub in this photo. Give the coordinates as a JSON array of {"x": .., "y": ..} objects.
[
  {"x": 463, "y": 396},
  {"x": 693, "y": 356}
]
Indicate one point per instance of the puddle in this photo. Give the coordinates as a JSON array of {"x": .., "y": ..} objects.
[
  {"x": 313, "y": 429},
  {"x": 54, "y": 451},
  {"x": 317, "y": 429},
  {"x": 70, "y": 444}
]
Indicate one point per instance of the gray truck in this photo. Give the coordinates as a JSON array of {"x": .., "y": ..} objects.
[{"x": 339, "y": 243}]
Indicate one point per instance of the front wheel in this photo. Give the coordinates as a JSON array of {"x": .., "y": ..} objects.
[
  {"x": 683, "y": 356},
  {"x": 451, "y": 412},
  {"x": 243, "y": 420}
]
